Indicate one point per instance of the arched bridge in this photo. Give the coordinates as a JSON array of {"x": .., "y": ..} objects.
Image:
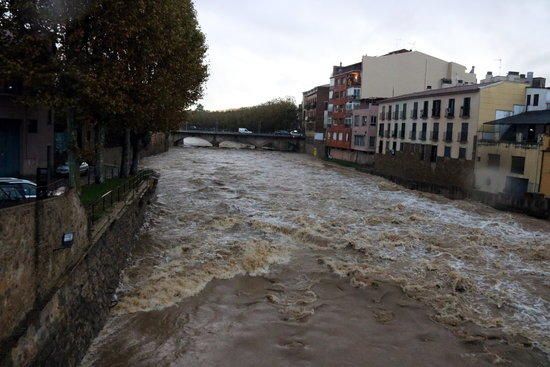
[{"x": 260, "y": 141}]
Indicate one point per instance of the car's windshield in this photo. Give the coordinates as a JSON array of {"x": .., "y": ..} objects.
[{"x": 30, "y": 190}]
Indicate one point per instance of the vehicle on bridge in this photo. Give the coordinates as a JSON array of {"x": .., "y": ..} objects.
[
  {"x": 282, "y": 133},
  {"x": 243, "y": 130}
]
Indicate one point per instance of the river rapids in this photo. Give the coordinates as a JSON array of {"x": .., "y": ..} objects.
[{"x": 254, "y": 258}]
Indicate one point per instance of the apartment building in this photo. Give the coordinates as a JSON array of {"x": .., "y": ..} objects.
[
  {"x": 338, "y": 142},
  {"x": 26, "y": 136},
  {"x": 430, "y": 136},
  {"x": 537, "y": 99},
  {"x": 405, "y": 71},
  {"x": 314, "y": 107},
  {"x": 513, "y": 155},
  {"x": 363, "y": 141}
]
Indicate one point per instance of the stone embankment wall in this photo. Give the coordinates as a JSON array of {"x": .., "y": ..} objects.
[{"x": 54, "y": 301}]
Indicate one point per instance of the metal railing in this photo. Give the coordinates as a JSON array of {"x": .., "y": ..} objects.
[{"x": 107, "y": 200}]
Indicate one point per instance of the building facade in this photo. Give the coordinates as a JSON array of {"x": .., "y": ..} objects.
[
  {"x": 514, "y": 155},
  {"x": 430, "y": 136},
  {"x": 404, "y": 71},
  {"x": 344, "y": 94},
  {"x": 314, "y": 107},
  {"x": 363, "y": 141},
  {"x": 26, "y": 138}
]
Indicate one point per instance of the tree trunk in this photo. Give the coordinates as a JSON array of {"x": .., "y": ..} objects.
[
  {"x": 99, "y": 174},
  {"x": 125, "y": 161},
  {"x": 74, "y": 169},
  {"x": 136, "y": 147}
]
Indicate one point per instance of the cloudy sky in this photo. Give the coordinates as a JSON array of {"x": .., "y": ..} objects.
[{"x": 264, "y": 49}]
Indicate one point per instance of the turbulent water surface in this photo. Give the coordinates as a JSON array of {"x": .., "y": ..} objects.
[{"x": 252, "y": 258}]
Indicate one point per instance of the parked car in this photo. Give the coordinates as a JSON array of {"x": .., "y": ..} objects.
[
  {"x": 64, "y": 168},
  {"x": 243, "y": 130},
  {"x": 282, "y": 132},
  {"x": 295, "y": 134},
  {"x": 17, "y": 189}
]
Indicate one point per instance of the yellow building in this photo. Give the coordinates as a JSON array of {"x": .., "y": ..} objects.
[{"x": 513, "y": 155}]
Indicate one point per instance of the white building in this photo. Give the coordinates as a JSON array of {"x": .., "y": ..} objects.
[{"x": 402, "y": 72}]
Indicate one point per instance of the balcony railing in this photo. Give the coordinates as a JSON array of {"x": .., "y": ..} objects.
[
  {"x": 435, "y": 135},
  {"x": 414, "y": 114},
  {"x": 448, "y": 136},
  {"x": 423, "y": 135},
  {"x": 450, "y": 113},
  {"x": 464, "y": 112},
  {"x": 424, "y": 114},
  {"x": 463, "y": 137},
  {"x": 436, "y": 113}
]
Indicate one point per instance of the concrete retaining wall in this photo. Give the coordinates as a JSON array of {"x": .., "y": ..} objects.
[{"x": 53, "y": 302}]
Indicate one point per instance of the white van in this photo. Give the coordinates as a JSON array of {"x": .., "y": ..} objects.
[{"x": 243, "y": 130}]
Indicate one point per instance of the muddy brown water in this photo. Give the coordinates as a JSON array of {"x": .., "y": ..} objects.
[{"x": 251, "y": 258}]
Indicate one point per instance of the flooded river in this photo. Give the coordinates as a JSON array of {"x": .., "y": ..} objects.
[{"x": 251, "y": 258}]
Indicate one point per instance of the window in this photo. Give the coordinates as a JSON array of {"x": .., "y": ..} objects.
[
  {"x": 433, "y": 154},
  {"x": 449, "y": 132},
  {"x": 402, "y": 133},
  {"x": 466, "y": 107},
  {"x": 356, "y": 120},
  {"x": 535, "y": 100},
  {"x": 372, "y": 141},
  {"x": 359, "y": 140},
  {"x": 528, "y": 100},
  {"x": 462, "y": 153},
  {"x": 394, "y": 147},
  {"x": 424, "y": 114},
  {"x": 518, "y": 164},
  {"x": 373, "y": 120},
  {"x": 364, "y": 120},
  {"x": 404, "y": 112},
  {"x": 334, "y": 136},
  {"x": 380, "y": 147},
  {"x": 451, "y": 108},
  {"x": 447, "y": 152},
  {"x": 33, "y": 126},
  {"x": 381, "y": 130},
  {"x": 436, "y": 108},
  {"x": 493, "y": 160}
]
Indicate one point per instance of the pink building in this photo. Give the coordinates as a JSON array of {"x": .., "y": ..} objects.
[{"x": 363, "y": 142}]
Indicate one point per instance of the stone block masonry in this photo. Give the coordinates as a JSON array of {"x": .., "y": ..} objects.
[{"x": 53, "y": 302}]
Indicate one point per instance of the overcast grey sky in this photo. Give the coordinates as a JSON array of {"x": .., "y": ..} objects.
[{"x": 263, "y": 49}]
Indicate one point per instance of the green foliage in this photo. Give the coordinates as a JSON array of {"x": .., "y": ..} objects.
[{"x": 278, "y": 114}]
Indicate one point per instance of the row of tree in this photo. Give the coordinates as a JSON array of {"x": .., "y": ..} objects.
[
  {"x": 127, "y": 67},
  {"x": 278, "y": 114}
]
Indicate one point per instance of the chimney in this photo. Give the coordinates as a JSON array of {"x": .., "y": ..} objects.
[{"x": 473, "y": 70}]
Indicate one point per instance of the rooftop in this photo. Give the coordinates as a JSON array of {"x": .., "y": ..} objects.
[
  {"x": 440, "y": 91},
  {"x": 526, "y": 118}
]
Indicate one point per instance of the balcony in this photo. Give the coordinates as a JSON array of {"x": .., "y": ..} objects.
[
  {"x": 414, "y": 114},
  {"x": 413, "y": 135},
  {"x": 450, "y": 113},
  {"x": 436, "y": 113},
  {"x": 424, "y": 114},
  {"x": 403, "y": 115},
  {"x": 464, "y": 112},
  {"x": 435, "y": 135},
  {"x": 449, "y": 136},
  {"x": 423, "y": 134},
  {"x": 396, "y": 115},
  {"x": 463, "y": 137}
]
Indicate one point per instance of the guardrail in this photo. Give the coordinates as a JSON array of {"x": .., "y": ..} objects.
[{"x": 96, "y": 209}]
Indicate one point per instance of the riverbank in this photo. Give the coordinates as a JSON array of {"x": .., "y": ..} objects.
[
  {"x": 295, "y": 261},
  {"x": 56, "y": 296}
]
